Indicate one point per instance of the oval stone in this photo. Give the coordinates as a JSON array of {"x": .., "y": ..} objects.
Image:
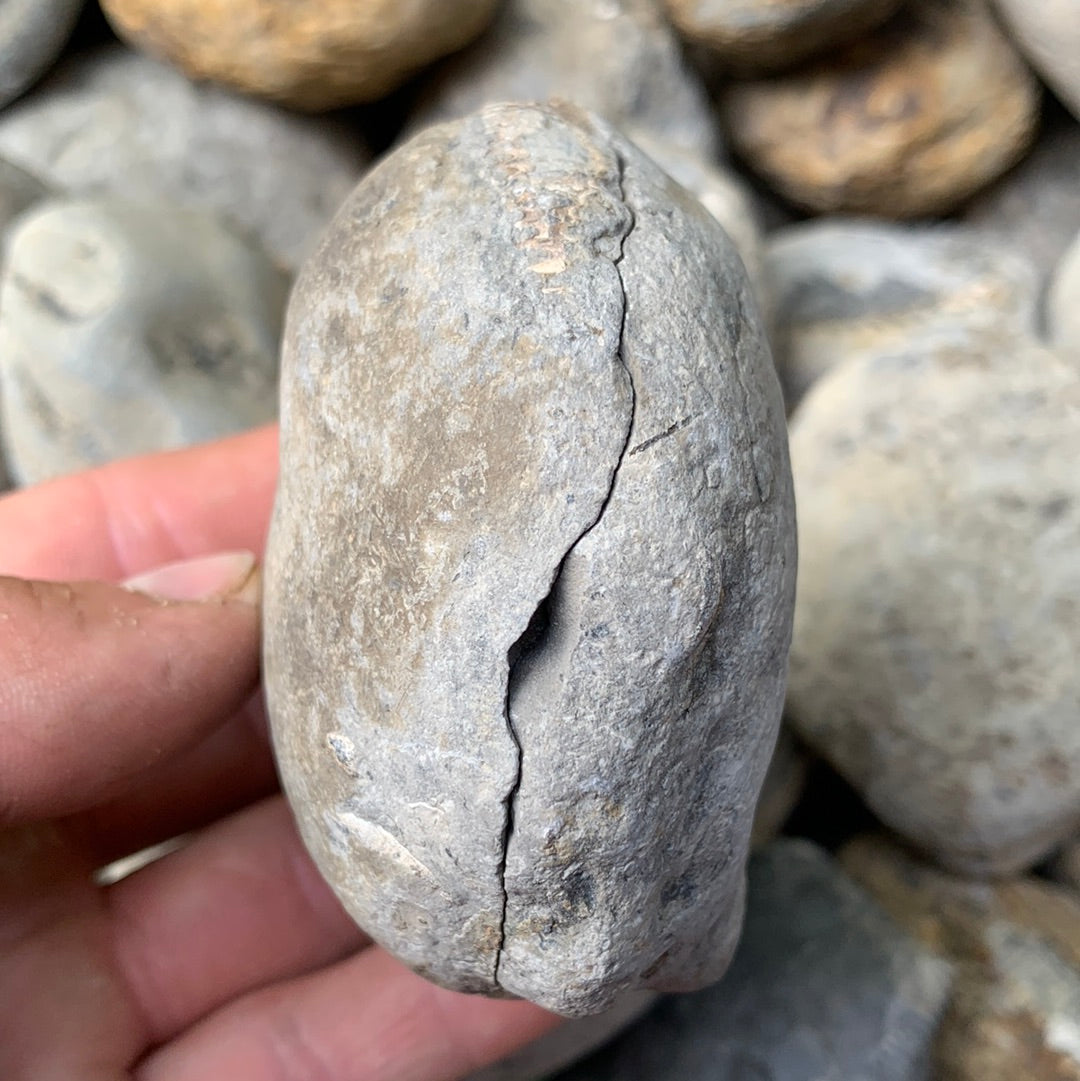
[{"x": 530, "y": 575}]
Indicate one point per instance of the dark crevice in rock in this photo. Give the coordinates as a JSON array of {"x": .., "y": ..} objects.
[{"x": 533, "y": 642}]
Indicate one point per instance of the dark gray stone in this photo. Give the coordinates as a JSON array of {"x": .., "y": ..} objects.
[
  {"x": 824, "y": 987},
  {"x": 531, "y": 565},
  {"x": 131, "y": 327}
]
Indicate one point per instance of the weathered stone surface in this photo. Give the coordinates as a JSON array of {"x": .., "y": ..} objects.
[
  {"x": 824, "y": 985},
  {"x": 1063, "y": 302},
  {"x": 115, "y": 121},
  {"x": 1035, "y": 208},
  {"x": 907, "y": 121},
  {"x": 530, "y": 569},
  {"x": 129, "y": 327},
  {"x": 618, "y": 58},
  {"x": 849, "y": 288},
  {"x": 936, "y": 630},
  {"x": 1048, "y": 34},
  {"x": 749, "y": 36},
  {"x": 722, "y": 194},
  {"x": 1015, "y": 1009},
  {"x": 32, "y": 34},
  {"x": 18, "y": 191},
  {"x": 309, "y": 55},
  {"x": 569, "y": 1042}
]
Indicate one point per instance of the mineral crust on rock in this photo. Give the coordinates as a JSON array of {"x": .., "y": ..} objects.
[{"x": 531, "y": 568}]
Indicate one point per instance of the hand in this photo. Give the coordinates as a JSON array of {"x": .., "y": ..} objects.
[{"x": 127, "y": 719}]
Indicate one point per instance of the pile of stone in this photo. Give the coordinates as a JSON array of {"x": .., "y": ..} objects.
[{"x": 900, "y": 180}]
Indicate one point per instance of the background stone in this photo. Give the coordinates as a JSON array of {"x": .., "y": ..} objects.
[
  {"x": 1035, "y": 207},
  {"x": 617, "y": 58},
  {"x": 824, "y": 985},
  {"x": 32, "y": 33},
  {"x": 309, "y": 55},
  {"x": 1016, "y": 951},
  {"x": 849, "y": 288},
  {"x": 113, "y": 121},
  {"x": 752, "y": 36},
  {"x": 130, "y": 327},
  {"x": 933, "y": 660},
  {"x": 910, "y": 120},
  {"x": 1063, "y": 302},
  {"x": 1048, "y": 34}
]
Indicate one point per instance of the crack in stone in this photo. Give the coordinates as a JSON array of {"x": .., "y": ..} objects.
[{"x": 536, "y": 634}]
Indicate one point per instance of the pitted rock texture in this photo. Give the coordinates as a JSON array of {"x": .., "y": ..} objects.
[
  {"x": 531, "y": 564},
  {"x": 32, "y": 34},
  {"x": 748, "y": 36},
  {"x": 112, "y": 121},
  {"x": 1015, "y": 947},
  {"x": 315, "y": 55},
  {"x": 934, "y": 657},
  {"x": 848, "y": 288},
  {"x": 1048, "y": 34},
  {"x": 824, "y": 987},
  {"x": 618, "y": 58},
  {"x": 904, "y": 122},
  {"x": 131, "y": 327}
]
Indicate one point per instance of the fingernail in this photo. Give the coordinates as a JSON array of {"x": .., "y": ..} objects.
[{"x": 224, "y": 576}]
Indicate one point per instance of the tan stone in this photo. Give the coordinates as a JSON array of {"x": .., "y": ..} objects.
[
  {"x": 1016, "y": 947},
  {"x": 310, "y": 54},
  {"x": 909, "y": 121}
]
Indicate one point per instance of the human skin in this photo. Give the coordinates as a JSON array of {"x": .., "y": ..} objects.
[{"x": 126, "y": 720}]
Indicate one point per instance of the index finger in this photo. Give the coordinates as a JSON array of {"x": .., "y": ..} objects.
[{"x": 126, "y": 517}]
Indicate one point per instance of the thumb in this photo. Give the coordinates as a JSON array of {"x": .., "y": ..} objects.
[{"x": 99, "y": 681}]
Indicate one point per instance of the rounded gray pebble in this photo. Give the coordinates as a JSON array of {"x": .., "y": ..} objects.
[{"x": 131, "y": 327}]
